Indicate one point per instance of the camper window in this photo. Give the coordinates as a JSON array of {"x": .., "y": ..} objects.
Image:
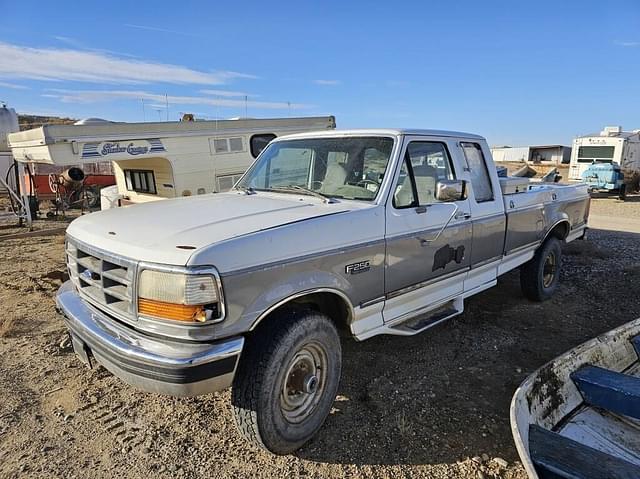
[
  {"x": 228, "y": 145},
  {"x": 220, "y": 145},
  {"x": 236, "y": 144},
  {"x": 140, "y": 181},
  {"x": 589, "y": 154},
  {"x": 258, "y": 142}
]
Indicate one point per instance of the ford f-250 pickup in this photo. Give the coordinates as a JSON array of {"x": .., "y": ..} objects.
[{"x": 365, "y": 231}]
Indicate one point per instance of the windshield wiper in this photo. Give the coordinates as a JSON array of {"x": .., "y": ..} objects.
[{"x": 304, "y": 191}]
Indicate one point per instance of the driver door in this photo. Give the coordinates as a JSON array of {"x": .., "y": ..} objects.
[{"x": 427, "y": 240}]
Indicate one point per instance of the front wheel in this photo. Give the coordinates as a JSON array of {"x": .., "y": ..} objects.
[
  {"x": 287, "y": 380},
  {"x": 540, "y": 276}
]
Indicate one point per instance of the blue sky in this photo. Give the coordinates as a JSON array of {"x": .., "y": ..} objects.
[{"x": 516, "y": 72}]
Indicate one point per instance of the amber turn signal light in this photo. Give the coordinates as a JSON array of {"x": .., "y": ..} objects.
[{"x": 176, "y": 312}]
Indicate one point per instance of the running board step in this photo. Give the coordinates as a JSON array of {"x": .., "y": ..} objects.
[
  {"x": 418, "y": 323},
  {"x": 615, "y": 392}
]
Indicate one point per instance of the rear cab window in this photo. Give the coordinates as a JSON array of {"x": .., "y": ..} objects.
[{"x": 478, "y": 172}]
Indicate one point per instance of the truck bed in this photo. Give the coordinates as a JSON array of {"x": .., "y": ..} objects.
[{"x": 533, "y": 212}]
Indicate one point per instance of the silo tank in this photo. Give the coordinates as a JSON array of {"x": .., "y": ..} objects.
[{"x": 8, "y": 124}]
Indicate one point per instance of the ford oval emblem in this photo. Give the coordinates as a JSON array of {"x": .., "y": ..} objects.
[{"x": 86, "y": 274}]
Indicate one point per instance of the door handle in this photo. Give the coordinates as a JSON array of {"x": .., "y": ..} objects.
[
  {"x": 425, "y": 241},
  {"x": 462, "y": 215}
]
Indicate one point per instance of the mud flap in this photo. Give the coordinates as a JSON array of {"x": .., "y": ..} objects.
[{"x": 82, "y": 350}]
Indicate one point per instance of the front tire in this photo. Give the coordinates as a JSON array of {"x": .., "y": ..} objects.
[
  {"x": 287, "y": 380},
  {"x": 540, "y": 276}
]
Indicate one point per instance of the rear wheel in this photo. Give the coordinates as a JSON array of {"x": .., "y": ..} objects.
[
  {"x": 287, "y": 380},
  {"x": 622, "y": 193},
  {"x": 539, "y": 277}
]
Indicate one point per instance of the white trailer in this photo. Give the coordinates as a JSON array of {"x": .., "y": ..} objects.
[
  {"x": 154, "y": 161},
  {"x": 611, "y": 145}
]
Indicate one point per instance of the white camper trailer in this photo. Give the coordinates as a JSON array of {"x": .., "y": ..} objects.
[
  {"x": 611, "y": 145},
  {"x": 153, "y": 161}
]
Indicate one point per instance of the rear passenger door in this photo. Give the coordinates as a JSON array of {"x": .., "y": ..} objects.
[{"x": 426, "y": 239}]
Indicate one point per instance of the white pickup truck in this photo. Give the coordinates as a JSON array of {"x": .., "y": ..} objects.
[{"x": 363, "y": 231}]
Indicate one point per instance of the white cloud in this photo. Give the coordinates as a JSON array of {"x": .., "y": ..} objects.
[
  {"x": 95, "y": 67},
  {"x": 96, "y": 96},
  {"x": 627, "y": 44},
  {"x": 13, "y": 86},
  {"x": 227, "y": 93},
  {"x": 80, "y": 46},
  {"x": 327, "y": 82},
  {"x": 158, "y": 29}
]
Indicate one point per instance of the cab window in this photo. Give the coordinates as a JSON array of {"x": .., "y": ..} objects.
[
  {"x": 480, "y": 180},
  {"x": 425, "y": 163}
]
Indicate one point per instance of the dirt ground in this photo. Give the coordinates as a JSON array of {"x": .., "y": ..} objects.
[{"x": 433, "y": 405}]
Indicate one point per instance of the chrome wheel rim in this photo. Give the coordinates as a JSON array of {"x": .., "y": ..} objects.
[
  {"x": 304, "y": 383},
  {"x": 549, "y": 270}
]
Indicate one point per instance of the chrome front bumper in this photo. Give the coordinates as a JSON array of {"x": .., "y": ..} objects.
[{"x": 156, "y": 365}]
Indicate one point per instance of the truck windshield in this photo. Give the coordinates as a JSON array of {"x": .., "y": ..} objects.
[{"x": 347, "y": 167}]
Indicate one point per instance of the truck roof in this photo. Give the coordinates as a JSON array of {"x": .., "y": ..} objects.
[{"x": 384, "y": 132}]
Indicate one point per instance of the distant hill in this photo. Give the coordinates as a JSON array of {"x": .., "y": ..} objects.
[{"x": 27, "y": 122}]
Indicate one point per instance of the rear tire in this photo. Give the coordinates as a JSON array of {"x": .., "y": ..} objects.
[
  {"x": 540, "y": 276},
  {"x": 622, "y": 193},
  {"x": 287, "y": 380}
]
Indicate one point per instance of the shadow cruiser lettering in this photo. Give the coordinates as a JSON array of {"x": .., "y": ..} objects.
[
  {"x": 132, "y": 149},
  {"x": 356, "y": 268}
]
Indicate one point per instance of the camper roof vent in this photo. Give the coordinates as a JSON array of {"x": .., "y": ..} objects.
[
  {"x": 92, "y": 121},
  {"x": 611, "y": 131}
]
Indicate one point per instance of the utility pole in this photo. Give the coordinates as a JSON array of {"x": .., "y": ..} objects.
[
  {"x": 166, "y": 99},
  {"x": 144, "y": 115},
  {"x": 246, "y": 107}
]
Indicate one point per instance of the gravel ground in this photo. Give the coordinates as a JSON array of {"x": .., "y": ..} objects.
[
  {"x": 611, "y": 206},
  {"x": 434, "y": 405}
]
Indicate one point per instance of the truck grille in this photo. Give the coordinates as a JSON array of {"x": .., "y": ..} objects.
[{"x": 103, "y": 279}]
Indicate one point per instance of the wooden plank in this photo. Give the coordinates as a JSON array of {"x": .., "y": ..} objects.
[
  {"x": 615, "y": 392},
  {"x": 29, "y": 234},
  {"x": 556, "y": 456}
]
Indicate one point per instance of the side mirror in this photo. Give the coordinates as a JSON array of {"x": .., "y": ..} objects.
[{"x": 451, "y": 190}]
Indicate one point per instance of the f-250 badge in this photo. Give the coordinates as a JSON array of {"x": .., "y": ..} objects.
[{"x": 356, "y": 268}]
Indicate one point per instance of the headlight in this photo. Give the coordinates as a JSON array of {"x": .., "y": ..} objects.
[{"x": 178, "y": 296}]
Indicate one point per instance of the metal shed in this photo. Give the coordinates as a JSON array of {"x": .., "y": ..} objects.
[{"x": 547, "y": 154}]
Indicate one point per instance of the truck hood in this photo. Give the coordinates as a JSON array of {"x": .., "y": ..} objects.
[{"x": 170, "y": 231}]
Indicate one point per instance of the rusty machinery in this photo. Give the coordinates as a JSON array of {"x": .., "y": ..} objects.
[{"x": 69, "y": 189}]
